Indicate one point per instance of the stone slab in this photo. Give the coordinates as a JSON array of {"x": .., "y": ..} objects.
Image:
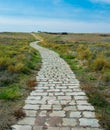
[
  {"x": 57, "y": 113},
  {"x": 69, "y": 122},
  {"x": 27, "y": 121},
  {"x": 88, "y": 114},
  {"x": 31, "y": 107},
  {"x": 21, "y": 127},
  {"x": 89, "y": 122},
  {"x": 75, "y": 114},
  {"x": 30, "y": 113},
  {"x": 85, "y": 128},
  {"x": 83, "y": 108},
  {"x": 70, "y": 108},
  {"x": 46, "y": 107}
]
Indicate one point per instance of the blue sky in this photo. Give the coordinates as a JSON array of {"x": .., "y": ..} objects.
[{"x": 55, "y": 15}]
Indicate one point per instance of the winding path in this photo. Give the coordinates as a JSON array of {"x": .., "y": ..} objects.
[{"x": 57, "y": 103}]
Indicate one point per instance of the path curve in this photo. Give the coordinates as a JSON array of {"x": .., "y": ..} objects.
[{"x": 57, "y": 103}]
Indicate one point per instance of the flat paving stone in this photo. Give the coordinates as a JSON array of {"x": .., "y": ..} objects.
[
  {"x": 57, "y": 107},
  {"x": 82, "y": 102},
  {"x": 21, "y": 127},
  {"x": 64, "y": 97},
  {"x": 69, "y": 122},
  {"x": 27, "y": 121},
  {"x": 58, "y": 128},
  {"x": 34, "y": 102},
  {"x": 30, "y": 113},
  {"x": 65, "y": 102},
  {"x": 75, "y": 114},
  {"x": 70, "y": 108},
  {"x": 33, "y": 97},
  {"x": 88, "y": 114},
  {"x": 43, "y": 113},
  {"x": 83, "y": 107},
  {"x": 31, "y": 107},
  {"x": 59, "y": 93},
  {"x": 89, "y": 122},
  {"x": 80, "y": 97},
  {"x": 37, "y": 128},
  {"x": 50, "y": 128},
  {"x": 76, "y": 93},
  {"x": 72, "y": 102},
  {"x": 46, "y": 107},
  {"x": 38, "y": 94},
  {"x": 53, "y": 102},
  {"x": 85, "y": 128},
  {"x": 57, "y": 113}
]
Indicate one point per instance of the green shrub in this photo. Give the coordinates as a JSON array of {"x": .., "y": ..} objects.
[
  {"x": 68, "y": 56},
  {"x": 97, "y": 99},
  {"x": 10, "y": 93},
  {"x": 83, "y": 53},
  {"x": 106, "y": 75},
  {"x": 91, "y": 77},
  {"x": 19, "y": 67},
  {"x": 4, "y": 62},
  {"x": 11, "y": 68},
  {"x": 100, "y": 63}
]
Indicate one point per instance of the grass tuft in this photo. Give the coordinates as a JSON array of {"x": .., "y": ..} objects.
[{"x": 10, "y": 93}]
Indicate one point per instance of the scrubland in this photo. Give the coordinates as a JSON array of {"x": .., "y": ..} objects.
[
  {"x": 19, "y": 64},
  {"x": 89, "y": 57}
]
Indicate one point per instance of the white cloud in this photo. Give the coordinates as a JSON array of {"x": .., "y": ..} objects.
[
  {"x": 101, "y": 1},
  {"x": 54, "y": 25}
]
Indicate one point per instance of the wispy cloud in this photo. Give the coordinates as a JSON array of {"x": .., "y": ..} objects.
[
  {"x": 101, "y": 1},
  {"x": 53, "y": 25}
]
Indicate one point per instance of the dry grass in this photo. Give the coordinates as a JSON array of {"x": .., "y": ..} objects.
[
  {"x": 19, "y": 113},
  {"x": 18, "y": 63}
]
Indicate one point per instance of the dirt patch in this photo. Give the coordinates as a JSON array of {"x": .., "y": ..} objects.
[{"x": 7, "y": 109}]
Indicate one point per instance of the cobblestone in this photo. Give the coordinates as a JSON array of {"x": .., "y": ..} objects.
[
  {"x": 88, "y": 114},
  {"x": 89, "y": 122},
  {"x": 27, "y": 121},
  {"x": 21, "y": 127},
  {"x": 57, "y": 103},
  {"x": 31, "y": 107},
  {"x": 58, "y": 113},
  {"x": 70, "y": 108},
  {"x": 69, "y": 122},
  {"x": 83, "y": 107},
  {"x": 43, "y": 113},
  {"x": 75, "y": 114},
  {"x": 46, "y": 107},
  {"x": 83, "y": 128},
  {"x": 57, "y": 107},
  {"x": 30, "y": 113}
]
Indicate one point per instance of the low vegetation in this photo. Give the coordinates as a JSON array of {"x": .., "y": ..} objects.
[
  {"x": 89, "y": 57},
  {"x": 19, "y": 64}
]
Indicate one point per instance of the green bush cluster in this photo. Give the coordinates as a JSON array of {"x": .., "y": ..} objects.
[
  {"x": 19, "y": 58},
  {"x": 100, "y": 63},
  {"x": 10, "y": 93},
  {"x": 83, "y": 52}
]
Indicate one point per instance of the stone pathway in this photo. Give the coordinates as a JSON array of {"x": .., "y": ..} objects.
[{"x": 57, "y": 103}]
